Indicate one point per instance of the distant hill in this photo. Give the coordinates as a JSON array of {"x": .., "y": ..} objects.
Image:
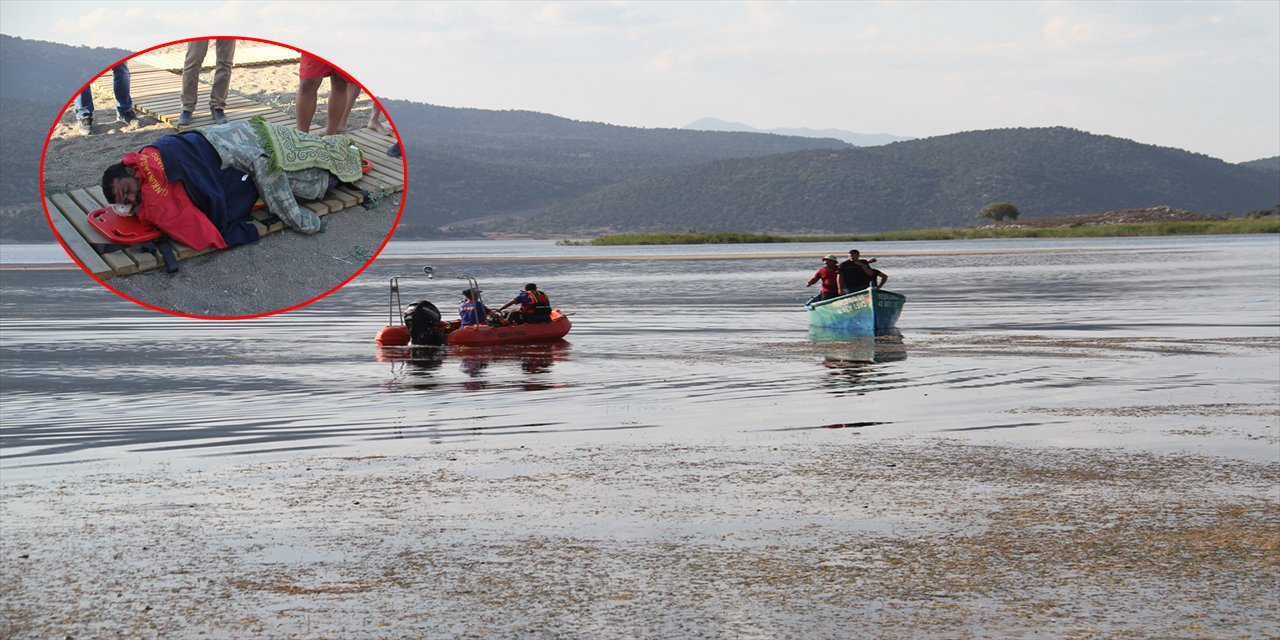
[
  {"x": 855, "y": 139},
  {"x": 1266, "y": 165},
  {"x": 36, "y": 79},
  {"x": 466, "y": 164},
  {"x": 931, "y": 182}
]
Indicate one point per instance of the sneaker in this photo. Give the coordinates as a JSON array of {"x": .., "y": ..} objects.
[
  {"x": 128, "y": 118},
  {"x": 85, "y": 125},
  {"x": 185, "y": 118},
  {"x": 218, "y": 116}
]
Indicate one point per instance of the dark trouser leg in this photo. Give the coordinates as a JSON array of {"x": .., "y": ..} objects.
[
  {"x": 120, "y": 78},
  {"x": 84, "y": 104}
]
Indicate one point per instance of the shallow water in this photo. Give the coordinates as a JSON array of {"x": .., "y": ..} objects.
[{"x": 1165, "y": 344}]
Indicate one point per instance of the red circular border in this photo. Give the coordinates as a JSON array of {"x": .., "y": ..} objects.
[{"x": 404, "y": 165}]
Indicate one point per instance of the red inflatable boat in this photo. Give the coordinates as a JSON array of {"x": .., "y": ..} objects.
[{"x": 400, "y": 332}]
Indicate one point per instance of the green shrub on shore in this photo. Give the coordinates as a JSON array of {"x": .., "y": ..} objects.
[{"x": 1217, "y": 227}]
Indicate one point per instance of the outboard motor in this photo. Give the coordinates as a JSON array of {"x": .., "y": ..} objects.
[{"x": 423, "y": 321}]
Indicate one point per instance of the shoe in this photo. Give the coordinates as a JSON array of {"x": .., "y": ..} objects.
[
  {"x": 128, "y": 118},
  {"x": 219, "y": 117},
  {"x": 185, "y": 118},
  {"x": 394, "y": 150},
  {"x": 85, "y": 125}
]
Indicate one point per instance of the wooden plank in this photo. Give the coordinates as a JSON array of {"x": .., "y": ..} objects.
[
  {"x": 315, "y": 207},
  {"x": 345, "y": 196},
  {"x": 385, "y": 166},
  {"x": 381, "y": 179},
  {"x": 281, "y": 118},
  {"x": 260, "y": 217},
  {"x": 333, "y": 202},
  {"x": 79, "y": 247}
]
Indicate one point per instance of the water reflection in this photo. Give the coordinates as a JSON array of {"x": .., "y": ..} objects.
[
  {"x": 422, "y": 368},
  {"x": 837, "y": 347},
  {"x": 852, "y": 360}
]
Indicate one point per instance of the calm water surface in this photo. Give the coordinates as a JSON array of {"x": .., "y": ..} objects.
[{"x": 1161, "y": 344}]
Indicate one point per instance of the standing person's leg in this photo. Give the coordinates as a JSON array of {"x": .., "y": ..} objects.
[
  {"x": 353, "y": 94},
  {"x": 375, "y": 122},
  {"x": 305, "y": 105},
  {"x": 311, "y": 73},
  {"x": 196, "y": 50},
  {"x": 84, "y": 111},
  {"x": 339, "y": 100},
  {"x": 224, "y": 51},
  {"x": 120, "y": 78}
]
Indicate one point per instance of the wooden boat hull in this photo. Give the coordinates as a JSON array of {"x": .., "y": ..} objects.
[
  {"x": 512, "y": 334},
  {"x": 869, "y": 312}
]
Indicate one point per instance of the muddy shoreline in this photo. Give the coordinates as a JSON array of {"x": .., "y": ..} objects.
[{"x": 862, "y": 539}]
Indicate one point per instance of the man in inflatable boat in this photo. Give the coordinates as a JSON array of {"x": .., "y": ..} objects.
[
  {"x": 535, "y": 306},
  {"x": 199, "y": 186},
  {"x": 471, "y": 311}
]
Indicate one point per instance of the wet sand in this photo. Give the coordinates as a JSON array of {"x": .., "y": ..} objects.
[{"x": 881, "y": 539}]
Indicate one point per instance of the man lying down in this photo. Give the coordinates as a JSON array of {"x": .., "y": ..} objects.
[{"x": 199, "y": 186}]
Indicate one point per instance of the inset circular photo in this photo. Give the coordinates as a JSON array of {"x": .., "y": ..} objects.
[{"x": 223, "y": 177}]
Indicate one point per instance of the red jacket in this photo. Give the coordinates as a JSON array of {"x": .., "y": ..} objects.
[{"x": 166, "y": 204}]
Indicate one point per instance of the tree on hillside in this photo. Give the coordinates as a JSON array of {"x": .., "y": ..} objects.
[{"x": 999, "y": 211}]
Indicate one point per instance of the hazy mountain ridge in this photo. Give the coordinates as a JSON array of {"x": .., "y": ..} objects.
[
  {"x": 1266, "y": 165},
  {"x": 931, "y": 182},
  {"x": 474, "y": 163},
  {"x": 851, "y": 137}
]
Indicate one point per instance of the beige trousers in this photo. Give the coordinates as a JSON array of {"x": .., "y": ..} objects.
[{"x": 224, "y": 51}]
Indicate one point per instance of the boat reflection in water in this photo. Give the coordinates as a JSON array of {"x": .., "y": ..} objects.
[
  {"x": 842, "y": 347},
  {"x": 852, "y": 360},
  {"x": 419, "y": 367}
]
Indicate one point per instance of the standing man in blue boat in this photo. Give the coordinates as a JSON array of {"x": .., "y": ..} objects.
[
  {"x": 857, "y": 274},
  {"x": 471, "y": 311},
  {"x": 535, "y": 306},
  {"x": 829, "y": 275}
]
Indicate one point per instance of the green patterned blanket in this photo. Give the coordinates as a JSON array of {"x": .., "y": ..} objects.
[{"x": 291, "y": 150}]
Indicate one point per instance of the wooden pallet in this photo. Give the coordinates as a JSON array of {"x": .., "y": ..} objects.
[
  {"x": 157, "y": 93},
  {"x": 69, "y": 212},
  {"x": 388, "y": 173}
]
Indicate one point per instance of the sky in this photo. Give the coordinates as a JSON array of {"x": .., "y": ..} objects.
[{"x": 1199, "y": 76}]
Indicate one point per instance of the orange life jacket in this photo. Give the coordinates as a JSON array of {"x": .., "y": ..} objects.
[{"x": 541, "y": 303}]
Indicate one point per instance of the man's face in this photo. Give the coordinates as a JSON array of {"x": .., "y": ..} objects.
[
  {"x": 853, "y": 255},
  {"x": 125, "y": 191}
]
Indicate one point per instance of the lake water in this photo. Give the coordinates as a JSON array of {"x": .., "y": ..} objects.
[{"x": 1166, "y": 344}]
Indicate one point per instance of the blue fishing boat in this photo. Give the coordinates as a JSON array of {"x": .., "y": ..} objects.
[{"x": 869, "y": 312}]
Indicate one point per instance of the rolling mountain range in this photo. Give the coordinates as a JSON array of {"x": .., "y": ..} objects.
[
  {"x": 477, "y": 170},
  {"x": 855, "y": 139},
  {"x": 932, "y": 182}
]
